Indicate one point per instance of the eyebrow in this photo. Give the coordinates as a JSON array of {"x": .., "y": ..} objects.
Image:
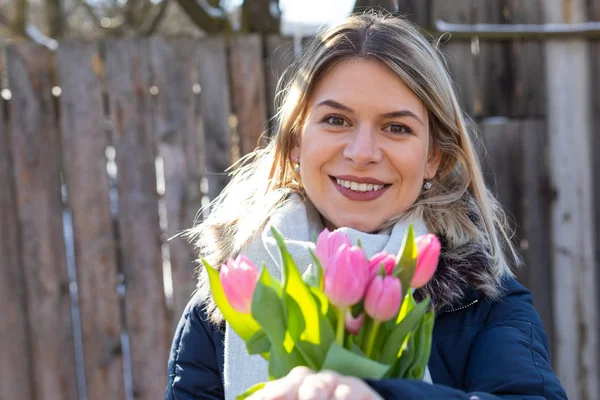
[{"x": 393, "y": 114}]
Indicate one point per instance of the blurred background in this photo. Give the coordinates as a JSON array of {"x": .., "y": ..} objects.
[{"x": 118, "y": 119}]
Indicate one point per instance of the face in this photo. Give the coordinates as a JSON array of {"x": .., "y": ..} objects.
[{"x": 365, "y": 149}]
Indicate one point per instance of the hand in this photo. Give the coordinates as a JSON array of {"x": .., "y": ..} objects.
[{"x": 304, "y": 384}]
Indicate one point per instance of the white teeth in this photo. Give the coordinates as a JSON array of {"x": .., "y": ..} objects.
[{"x": 359, "y": 187}]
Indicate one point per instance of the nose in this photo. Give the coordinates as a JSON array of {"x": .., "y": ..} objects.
[{"x": 363, "y": 149}]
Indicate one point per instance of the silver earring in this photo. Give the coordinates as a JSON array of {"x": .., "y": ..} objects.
[
  {"x": 427, "y": 185},
  {"x": 297, "y": 168}
]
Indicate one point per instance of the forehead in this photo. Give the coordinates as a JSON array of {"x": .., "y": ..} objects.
[{"x": 366, "y": 84}]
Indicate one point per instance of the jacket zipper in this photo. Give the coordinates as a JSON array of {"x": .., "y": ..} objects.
[{"x": 465, "y": 306}]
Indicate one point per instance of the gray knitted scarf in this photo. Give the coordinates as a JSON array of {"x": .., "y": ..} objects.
[{"x": 299, "y": 223}]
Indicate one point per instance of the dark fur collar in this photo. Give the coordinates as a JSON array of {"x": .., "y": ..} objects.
[{"x": 461, "y": 270}]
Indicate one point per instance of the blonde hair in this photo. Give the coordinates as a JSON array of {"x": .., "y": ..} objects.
[{"x": 459, "y": 206}]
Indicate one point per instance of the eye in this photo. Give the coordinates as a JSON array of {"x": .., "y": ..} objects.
[
  {"x": 398, "y": 129},
  {"x": 336, "y": 120}
]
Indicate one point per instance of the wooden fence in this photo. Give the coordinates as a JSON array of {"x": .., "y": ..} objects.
[{"x": 109, "y": 149}]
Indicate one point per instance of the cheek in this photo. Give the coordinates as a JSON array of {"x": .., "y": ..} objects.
[
  {"x": 409, "y": 162},
  {"x": 317, "y": 147}
]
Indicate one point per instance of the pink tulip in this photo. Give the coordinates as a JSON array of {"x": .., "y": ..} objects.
[
  {"x": 239, "y": 277},
  {"x": 383, "y": 298},
  {"x": 346, "y": 276},
  {"x": 388, "y": 261},
  {"x": 328, "y": 243},
  {"x": 428, "y": 250},
  {"x": 353, "y": 324}
]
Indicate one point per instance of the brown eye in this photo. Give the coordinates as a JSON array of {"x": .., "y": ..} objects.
[
  {"x": 399, "y": 129},
  {"x": 335, "y": 120}
]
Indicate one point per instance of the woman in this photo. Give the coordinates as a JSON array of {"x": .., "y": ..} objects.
[{"x": 371, "y": 137}]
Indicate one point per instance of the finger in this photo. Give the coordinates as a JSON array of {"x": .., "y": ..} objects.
[
  {"x": 285, "y": 388},
  {"x": 353, "y": 388},
  {"x": 319, "y": 386}
]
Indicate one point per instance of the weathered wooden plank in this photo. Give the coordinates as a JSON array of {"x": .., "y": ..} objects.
[
  {"x": 517, "y": 169},
  {"x": 35, "y": 152},
  {"x": 502, "y": 142},
  {"x": 459, "y": 54},
  {"x": 512, "y": 73},
  {"x": 280, "y": 55},
  {"x": 535, "y": 220},
  {"x": 84, "y": 142},
  {"x": 248, "y": 91},
  {"x": 215, "y": 109},
  {"x": 15, "y": 367},
  {"x": 569, "y": 116},
  {"x": 128, "y": 82},
  {"x": 175, "y": 122},
  {"x": 594, "y": 15},
  {"x": 417, "y": 11}
]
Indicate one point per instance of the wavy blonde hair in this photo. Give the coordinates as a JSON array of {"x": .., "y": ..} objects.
[{"x": 459, "y": 206}]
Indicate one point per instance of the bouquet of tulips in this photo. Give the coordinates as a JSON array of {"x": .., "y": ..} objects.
[{"x": 347, "y": 313}]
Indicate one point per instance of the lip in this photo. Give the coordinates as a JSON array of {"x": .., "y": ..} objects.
[
  {"x": 359, "y": 179},
  {"x": 359, "y": 196}
]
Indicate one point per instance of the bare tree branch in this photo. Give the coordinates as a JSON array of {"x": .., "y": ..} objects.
[
  {"x": 390, "y": 6},
  {"x": 151, "y": 24},
  {"x": 203, "y": 17},
  {"x": 20, "y": 20},
  {"x": 54, "y": 18},
  {"x": 110, "y": 25},
  {"x": 258, "y": 16},
  {"x": 214, "y": 12},
  {"x": 34, "y": 34}
]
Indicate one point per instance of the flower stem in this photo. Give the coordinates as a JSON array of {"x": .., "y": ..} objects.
[
  {"x": 341, "y": 314},
  {"x": 371, "y": 338}
]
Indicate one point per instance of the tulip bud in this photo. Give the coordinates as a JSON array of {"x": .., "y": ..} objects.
[
  {"x": 238, "y": 278},
  {"x": 346, "y": 276},
  {"x": 428, "y": 254},
  {"x": 383, "y": 298},
  {"x": 353, "y": 324},
  {"x": 328, "y": 243},
  {"x": 388, "y": 261}
]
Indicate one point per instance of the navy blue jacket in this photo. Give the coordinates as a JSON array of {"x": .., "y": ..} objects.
[{"x": 481, "y": 350}]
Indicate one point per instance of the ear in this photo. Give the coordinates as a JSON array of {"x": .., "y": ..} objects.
[
  {"x": 433, "y": 162},
  {"x": 295, "y": 154}
]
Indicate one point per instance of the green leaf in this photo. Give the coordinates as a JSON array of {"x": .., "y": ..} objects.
[
  {"x": 408, "y": 304},
  {"x": 243, "y": 324},
  {"x": 352, "y": 346},
  {"x": 258, "y": 343},
  {"x": 402, "y": 364},
  {"x": 311, "y": 276},
  {"x": 268, "y": 311},
  {"x": 349, "y": 363},
  {"x": 318, "y": 270},
  {"x": 308, "y": 328},
  {"x": 325, "y": 310},
  {"x": 393, "y": 343},
  {"x": 423, "y": 349},
  {"x": 251, "y": 391},
  {"x": 406, "y": 261}
]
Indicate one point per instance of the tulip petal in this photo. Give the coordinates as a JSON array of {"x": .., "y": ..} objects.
[{"x": 243, "y": 324}]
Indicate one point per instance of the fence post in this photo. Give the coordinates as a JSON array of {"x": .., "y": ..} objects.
[
  {"x": 572, "y": 212},
  {"x": 15, "y": 371},
  {"x": 128, "y": 82},
  {"x": 36, "y": 151},
  {"x": 85, "y": 139}
]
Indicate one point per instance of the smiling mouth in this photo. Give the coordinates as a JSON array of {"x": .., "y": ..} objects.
[
  {"x": 370, "y": 187},
  {"x": 359, "y": 187}
]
